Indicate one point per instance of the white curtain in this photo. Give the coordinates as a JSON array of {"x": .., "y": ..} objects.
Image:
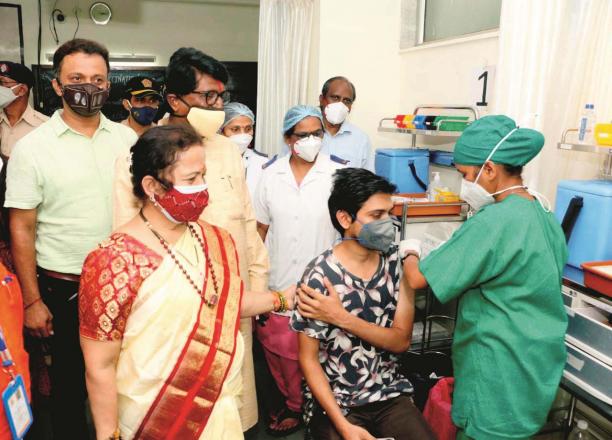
[
  {"x": 285, "y": 29},
  {"x": 554, "y": 57}
]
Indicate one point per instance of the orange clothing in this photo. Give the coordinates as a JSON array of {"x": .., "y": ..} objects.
[{"x": 11, "y": 321}]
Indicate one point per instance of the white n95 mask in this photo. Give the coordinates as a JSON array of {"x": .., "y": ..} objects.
[
  {"x": 243, "y": 141},
  {"x": 477, "y": 197},
  {"x": 7, "y": 96},
  {"x": 336, "y": 113},
  {"x": 474, "y": 194},
  {"x": 308, "y": 148}
]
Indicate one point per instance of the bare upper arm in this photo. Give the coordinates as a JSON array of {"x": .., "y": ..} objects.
[
  {"x": 22, "y": 218},
  {"x": 308, "y": 347},
  {"x": 100, "y": 354},
  {"x": 404, "y": 313},
  {"x": 412, "y": 273}
]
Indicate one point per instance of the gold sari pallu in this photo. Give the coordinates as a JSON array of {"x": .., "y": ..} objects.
[{"x": 186, "y": 397}]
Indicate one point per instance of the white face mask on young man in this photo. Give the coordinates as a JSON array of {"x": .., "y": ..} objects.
[
  {"x": 308, "y": 148},
  {"x": 336, "y": 113}
]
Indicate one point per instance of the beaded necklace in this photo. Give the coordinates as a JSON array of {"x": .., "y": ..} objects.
[{"x": 215, "y": 297}]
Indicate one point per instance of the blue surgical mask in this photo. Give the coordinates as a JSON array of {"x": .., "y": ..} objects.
[{"x": 143, "y": 115}]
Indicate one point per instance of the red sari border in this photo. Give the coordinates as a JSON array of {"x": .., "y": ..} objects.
[{"x": 192, "y": 406}]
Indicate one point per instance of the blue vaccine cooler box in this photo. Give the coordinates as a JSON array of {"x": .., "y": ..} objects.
[
  {"x": 585, "y": 207},
  {"x": 407, "y": 168},
  {"x": 441, "y": 158}
]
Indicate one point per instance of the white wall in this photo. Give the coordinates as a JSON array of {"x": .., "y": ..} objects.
[
  {"x": 444, "y": 74},
  {"x": 227, "y": 31},
  {"x": 359, "y": 39}
]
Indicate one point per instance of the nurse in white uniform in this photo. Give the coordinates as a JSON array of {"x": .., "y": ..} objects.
[
  {"x": 293, "y": 219},
  {"x": 239, "y": 127}
]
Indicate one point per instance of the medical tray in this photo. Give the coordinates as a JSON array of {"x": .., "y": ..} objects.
[
  {"x": 451, "y": 123},
  {"x": 596, "y": 278},
  {"x": 426, "y": 209}
]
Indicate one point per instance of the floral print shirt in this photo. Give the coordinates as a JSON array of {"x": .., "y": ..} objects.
[{"x": 358, "y": 372}]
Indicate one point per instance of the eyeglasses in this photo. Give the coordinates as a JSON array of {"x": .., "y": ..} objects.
[
  {"x": 304, "y": 135},
  {"x": 336, "y": 98},
  {"x": 211, "y": 96}
]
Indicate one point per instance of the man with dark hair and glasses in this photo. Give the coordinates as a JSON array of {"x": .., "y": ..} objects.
[
  {"x": 290, "y": 203},
  {"x": 342, "y": 138},
  {"x": 194, "y": 79},
  {"x": 195, "y": 93}
]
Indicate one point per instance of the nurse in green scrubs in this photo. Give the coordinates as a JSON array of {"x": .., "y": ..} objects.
[{"x": 504, "y": 265}]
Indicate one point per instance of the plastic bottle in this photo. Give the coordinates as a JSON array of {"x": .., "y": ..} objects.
[
  {"x": 580, "y": 432},
  {"x": 433, "y": 185},
  {"x": 586, "y": 125}
]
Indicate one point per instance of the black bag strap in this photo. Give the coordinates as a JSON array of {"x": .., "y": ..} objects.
[
  {"x": 416, "y": 177},
  {"x": 571, "y": 215}
]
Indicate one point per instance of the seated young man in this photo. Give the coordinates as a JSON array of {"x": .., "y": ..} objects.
[{"x": 354, "y": 388}]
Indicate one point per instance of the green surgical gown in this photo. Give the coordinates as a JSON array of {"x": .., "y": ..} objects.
[{"x": 505, "y": 266}]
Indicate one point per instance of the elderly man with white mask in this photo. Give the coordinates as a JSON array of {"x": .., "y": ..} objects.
[{"x": 342, "y": 138}]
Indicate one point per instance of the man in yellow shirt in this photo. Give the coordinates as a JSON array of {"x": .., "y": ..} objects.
[
  {"x": 17, "y": 117},
  {"x": 196, "y": 81}
]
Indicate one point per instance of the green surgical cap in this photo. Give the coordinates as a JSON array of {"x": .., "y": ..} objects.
[{"x": 478, "y": 140}]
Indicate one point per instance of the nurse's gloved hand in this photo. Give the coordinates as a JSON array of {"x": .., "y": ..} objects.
[
  {"x": 313, "y": 304},
  {"x": 411, "y": 246}
]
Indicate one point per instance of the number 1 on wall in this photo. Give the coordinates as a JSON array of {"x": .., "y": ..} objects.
[
  {"x": 484, "y": 76},
  {"x": 483, "y": 86}
]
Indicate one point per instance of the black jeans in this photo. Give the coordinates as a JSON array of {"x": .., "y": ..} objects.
[
  {"x": 397, "y": 418},
  {"x": 67, "y": 371}
]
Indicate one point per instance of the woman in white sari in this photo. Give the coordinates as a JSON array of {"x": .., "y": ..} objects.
[{"x": 160, "y": 304}]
